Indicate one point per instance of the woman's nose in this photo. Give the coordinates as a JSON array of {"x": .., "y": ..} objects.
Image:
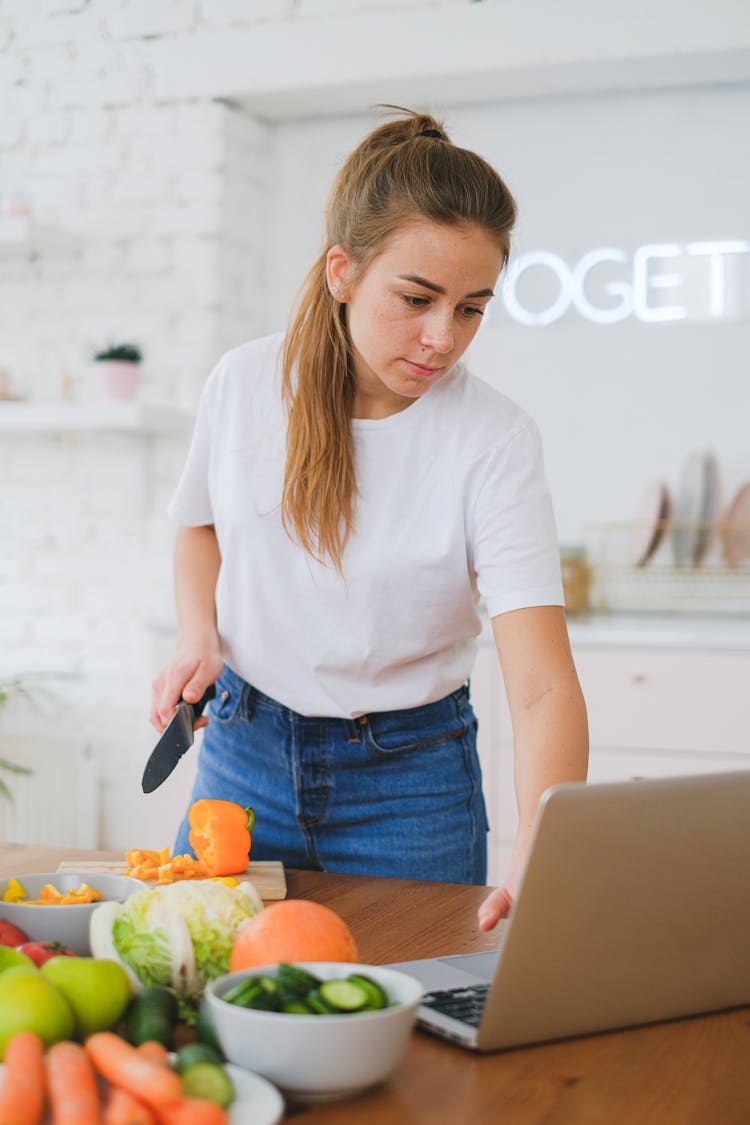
[{"x": 437, "y": 333}]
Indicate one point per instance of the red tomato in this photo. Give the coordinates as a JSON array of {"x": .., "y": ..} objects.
[
  {"x": 10, "y": 934},
  {"x": 41, "y": 951}
]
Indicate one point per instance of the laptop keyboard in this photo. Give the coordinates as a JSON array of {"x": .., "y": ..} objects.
[{"x": 464, "y": 1004}]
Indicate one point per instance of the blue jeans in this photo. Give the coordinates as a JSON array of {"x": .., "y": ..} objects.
[{"x": 393, "y": 793}]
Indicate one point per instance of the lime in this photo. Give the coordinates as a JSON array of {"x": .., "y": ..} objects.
[
  {"x": 97, "y": 990},
  {"x": 28, "y": 1002},
  {"x": 9, "y": 958}
]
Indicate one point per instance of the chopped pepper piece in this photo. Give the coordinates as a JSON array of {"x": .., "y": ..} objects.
[
  {"x": 14, "y": 892},
  {"x": 51, "y": 896},
  {"x": 159, "y": 866},
  {"x": 220, "y": 835}
]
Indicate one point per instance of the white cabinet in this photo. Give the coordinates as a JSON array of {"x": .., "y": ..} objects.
[
  {"x": 653, "y": 711},
  {"x": 662, "y": 700}
]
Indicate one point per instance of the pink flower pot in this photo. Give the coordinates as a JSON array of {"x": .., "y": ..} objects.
[{"x": 118, "y": 378}]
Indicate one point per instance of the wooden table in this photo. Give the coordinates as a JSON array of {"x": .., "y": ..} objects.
[{"x": 687, "y": 1072}]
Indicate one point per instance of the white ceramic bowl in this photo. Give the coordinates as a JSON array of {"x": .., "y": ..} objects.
[
  {"x": 68, "y": 924},
  {"x": 318, "y": 1058}
]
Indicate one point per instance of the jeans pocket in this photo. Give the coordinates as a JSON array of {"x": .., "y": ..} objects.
[
  {"x": 406, "y": 732},
  {"x": 225, "y": 707}
]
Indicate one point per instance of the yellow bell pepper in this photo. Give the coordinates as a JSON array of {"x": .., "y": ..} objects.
[{"x": 14, "y": 892}]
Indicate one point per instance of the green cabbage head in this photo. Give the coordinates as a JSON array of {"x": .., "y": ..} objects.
[{"x": 179, "y": 935}]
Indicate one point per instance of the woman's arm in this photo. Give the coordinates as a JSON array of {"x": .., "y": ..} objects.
[
  {"x": 198, "y": 661},
  {"x": 550, "y": 728}
]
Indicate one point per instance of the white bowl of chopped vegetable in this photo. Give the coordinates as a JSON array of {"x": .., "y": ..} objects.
[
  {"x": 30, "y": 902},
  {"x": 318, "y": 1029}
]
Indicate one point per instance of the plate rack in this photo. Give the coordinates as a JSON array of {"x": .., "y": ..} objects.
[{"x": 660, "y": 585}]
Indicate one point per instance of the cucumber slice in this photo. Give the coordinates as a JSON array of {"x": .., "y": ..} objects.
[
  {"x": 263, "y": 993},
  {"x": 298, "y": 980},
  {"x": 318, "y": 1004},
  {"x": 298, "y": 1008},
  {"x": 344, "y": 995},
  {"x": 208, "y": 1080},
  {"x": 243, "y": 992},
  {"x": 376, "y": 997},
  {"x": 193, "y": 1053}
]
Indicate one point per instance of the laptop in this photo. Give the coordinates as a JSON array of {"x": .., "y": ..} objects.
[{"x": 634, "y": 907}]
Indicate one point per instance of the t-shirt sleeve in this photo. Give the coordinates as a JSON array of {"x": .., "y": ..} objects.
[
  {"x": 516, "y": 556},
  {"x": 191, "y": 505}
]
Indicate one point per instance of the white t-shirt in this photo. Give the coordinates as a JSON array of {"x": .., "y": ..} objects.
[{"x": 452, "y": 506}]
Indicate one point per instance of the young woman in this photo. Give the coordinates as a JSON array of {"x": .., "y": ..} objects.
[{"x": 351, "y": 494}]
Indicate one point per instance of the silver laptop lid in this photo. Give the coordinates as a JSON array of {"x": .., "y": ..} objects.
[{"x": 634, "y": 907}]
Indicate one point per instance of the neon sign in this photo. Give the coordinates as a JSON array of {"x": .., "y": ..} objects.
[{"x": 661, "y": 281}]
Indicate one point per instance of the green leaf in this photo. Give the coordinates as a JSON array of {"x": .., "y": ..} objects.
[{"x": 14, "y": 767}]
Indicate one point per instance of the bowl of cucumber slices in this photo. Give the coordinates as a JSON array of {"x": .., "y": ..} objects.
[{"x": 318, "y": 1030}]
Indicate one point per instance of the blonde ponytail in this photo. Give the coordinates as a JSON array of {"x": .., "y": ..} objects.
[{"x": 405, "y": 169}]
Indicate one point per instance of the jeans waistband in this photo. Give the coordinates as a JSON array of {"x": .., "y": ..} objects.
[{"x": 454, "y": 699}]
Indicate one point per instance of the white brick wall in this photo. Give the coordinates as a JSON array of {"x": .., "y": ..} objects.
[
  {"x": 170, "y": 202},
  {"x": 137, "y": 19}
]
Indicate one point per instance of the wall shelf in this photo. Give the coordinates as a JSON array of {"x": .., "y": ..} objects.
[
  {"x": 111, "y": 417},
  {"x": 20, "y": 237}
]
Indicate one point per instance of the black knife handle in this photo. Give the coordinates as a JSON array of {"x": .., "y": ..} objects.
[{"x": 207, "y": 696}]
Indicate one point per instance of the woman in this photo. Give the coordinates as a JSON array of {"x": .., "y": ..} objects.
[{"x": 350, "y": 494}]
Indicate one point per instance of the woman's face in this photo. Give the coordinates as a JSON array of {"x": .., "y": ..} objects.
[{"x": 414, "y": 310}]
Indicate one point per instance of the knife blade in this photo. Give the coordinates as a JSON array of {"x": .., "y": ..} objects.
[{"x": 176, "y": 739}]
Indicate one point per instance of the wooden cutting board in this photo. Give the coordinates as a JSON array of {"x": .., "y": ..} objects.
[{"x": 267, "y": 876}]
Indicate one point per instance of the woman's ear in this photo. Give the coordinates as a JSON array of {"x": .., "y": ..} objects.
[{"x": 338, "y": 273}]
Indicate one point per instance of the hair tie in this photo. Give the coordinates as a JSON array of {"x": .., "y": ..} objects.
[{"x": 431, "y": 133}]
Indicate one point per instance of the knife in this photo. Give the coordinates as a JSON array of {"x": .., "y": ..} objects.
[{"x": 176, "y": 739}]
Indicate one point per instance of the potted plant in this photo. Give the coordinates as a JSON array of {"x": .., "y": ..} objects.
[{"x": 119, "y": 367}]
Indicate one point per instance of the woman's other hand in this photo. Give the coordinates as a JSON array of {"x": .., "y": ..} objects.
[
  {"x": 494, "y": 908},
  {"x": 186, "y": 678},
  {"x": 498, "y": 903}
]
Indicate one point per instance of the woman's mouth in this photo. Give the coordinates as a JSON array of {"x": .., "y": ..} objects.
[{"x": 422, "y": 371}]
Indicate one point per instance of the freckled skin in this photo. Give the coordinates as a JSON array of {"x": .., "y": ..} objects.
[{"x": 406, "y": 335}]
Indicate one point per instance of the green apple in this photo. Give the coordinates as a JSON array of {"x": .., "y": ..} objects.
[
  {"x": 10, "y": 957},
  {"x": 97, "y": 990},
  {"x": 28, "y": 1002}
]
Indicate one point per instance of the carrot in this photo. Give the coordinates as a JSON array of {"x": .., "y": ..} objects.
[
  {"x": 73, "y": 1092},
  {"x": 157, "y": 1052},
  {"x": 122, "y": 1108},
  {"x": 24, "y": 1082},
  {"x": 122, "y": 1065},
  {"x": 193, "y": 1111}
]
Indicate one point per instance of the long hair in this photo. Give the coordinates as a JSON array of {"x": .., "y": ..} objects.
[{"x": 404, "y": 169}]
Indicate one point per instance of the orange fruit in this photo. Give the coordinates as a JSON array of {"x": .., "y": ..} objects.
[{"x": 293, "y": 930}]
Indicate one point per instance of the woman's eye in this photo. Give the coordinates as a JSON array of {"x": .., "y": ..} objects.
[
  {"x": 414, "y": 302},
  {"x": 470, "y": 311}
]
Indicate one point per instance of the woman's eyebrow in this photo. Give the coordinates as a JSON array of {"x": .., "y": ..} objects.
[{"x": 439, "y": 289}]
